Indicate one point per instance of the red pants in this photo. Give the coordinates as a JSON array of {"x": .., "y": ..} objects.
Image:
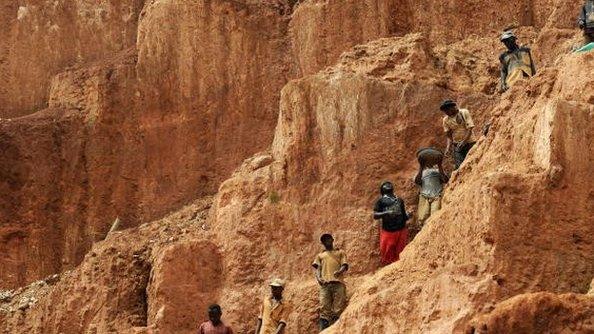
[{"x": 391, "y": 244}]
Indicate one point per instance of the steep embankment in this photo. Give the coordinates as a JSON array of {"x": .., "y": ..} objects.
[
  {"x": 139, "y": 134},
  {"x": 151, "y": 105},
  {"x": 517, "y": 217},
  {"x": 507, "y": 226}
]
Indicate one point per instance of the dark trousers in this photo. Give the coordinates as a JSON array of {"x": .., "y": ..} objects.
[{"x": 461, "y": 153}]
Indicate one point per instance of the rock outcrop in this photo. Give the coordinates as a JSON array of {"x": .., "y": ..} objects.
[
  {"x": 538, "y": 313},
  {"x": 173, "y": 118},
  {"x": 138, "y": 134}
]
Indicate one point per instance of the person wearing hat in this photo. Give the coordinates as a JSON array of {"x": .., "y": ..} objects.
[
  {"x": 329, "y": 266},
  {"x": 586, "y": 23},
  {"x": 458, "y": 126},
  {"x": 214, "y": 325},
  {"x": 274, "y": 311},
  {"x": 393, "y": 233},
  {"x": 516, "y": 61}
]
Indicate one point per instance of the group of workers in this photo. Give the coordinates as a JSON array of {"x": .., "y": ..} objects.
[{"x": 330, "y": 265}]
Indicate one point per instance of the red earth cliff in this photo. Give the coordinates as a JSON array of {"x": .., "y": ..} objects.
[{"x": 163, "y": 124}]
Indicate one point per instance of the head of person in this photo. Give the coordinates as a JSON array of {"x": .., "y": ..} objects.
[
  {"x": 215, "y": 313},
  {"x": 387, "y": 188},
  {"x": 449, "y": 107},
  {"x": 510, "y": 40},
  {"x": 277, "y": 286},
  {"x": 327, "y": 240}
]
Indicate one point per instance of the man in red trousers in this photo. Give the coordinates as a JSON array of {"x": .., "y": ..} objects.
[{"x": 394, "y": 233}]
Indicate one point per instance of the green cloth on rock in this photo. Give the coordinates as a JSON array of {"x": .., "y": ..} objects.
[{"x": 586, "y": 48}]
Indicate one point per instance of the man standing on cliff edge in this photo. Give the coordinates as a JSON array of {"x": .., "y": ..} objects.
[
  {"x": 329, "y": 266},
  {"x": 393, "y": 233},
  {"x": 274, "y": 311},
  {"x": 458, "y": 126},
  {"x": 516, "y": 61}
]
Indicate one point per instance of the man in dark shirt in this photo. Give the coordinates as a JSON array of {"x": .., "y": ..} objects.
[{"x": 394, "y": 233}]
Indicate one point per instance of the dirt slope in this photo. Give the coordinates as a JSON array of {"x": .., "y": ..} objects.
[{"x": 173, "y": 123}]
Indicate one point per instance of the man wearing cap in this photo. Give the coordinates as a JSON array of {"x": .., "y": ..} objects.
[
  {"x": 458, "y": 126},
  {"x": 516, "y": 61},
  {"x": 329, "y": 266},
  {"x": 393, "y": 233},
  {"x": 274, "y": 311}
]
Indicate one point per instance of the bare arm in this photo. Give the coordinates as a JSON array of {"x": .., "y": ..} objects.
[
  {"x": 318, "y": 274},
  {"x": 503, "y": 74},
  {"x": 380, "y": 215},
  {"x": 449, "y": 142},
  {"x": 259, "y": 326},
  {"x": 532, "y": 63},
  {"x": 419, "y": 177},
  {"x": 281, "y": 328},
  {"x": 342, "y": 270},
  {"x": 377, "y": 214}
]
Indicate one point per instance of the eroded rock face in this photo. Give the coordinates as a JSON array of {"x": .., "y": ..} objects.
[
  {"x": 537, "y": 313},
  {"x": 40, "y": 38},
  {"x": 141, "y": 133},
  {"x": 174, "y": 299},
  {"x": 442, "y": 282},
  {"x": 134, "y": 281},
  {"x": 516, "y": 218}
]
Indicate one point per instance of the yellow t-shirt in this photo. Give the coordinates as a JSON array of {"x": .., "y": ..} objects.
[
  {"x": 273, "y": 313},
  {"x": 329, "y": 262},
  {"x": 458, "y": 125}
]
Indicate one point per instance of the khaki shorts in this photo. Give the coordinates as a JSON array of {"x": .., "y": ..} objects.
[{"x": 427, "y": 207}]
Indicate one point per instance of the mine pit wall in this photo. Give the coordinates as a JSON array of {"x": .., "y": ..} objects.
[
  {"x": 64, "y": 195},
  {"x": 210, "y": 83},
  {"x": 521, "y": 233},
  {"x": 128, "y": 138},
  {"x": 435, "y": 293},
  {"x": 174, "y": 299},
  {"x": 41, "y": 38},
  {"x": 340, "y": 132},
  {"x": 554, "y": 253},
  {"x": 165, "y": 116}
]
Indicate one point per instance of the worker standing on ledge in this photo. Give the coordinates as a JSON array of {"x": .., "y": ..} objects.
[
  {"x": 458, "y": 126},
  {"x": 516, "y": 62},
  {"x": 329, "y": 266},
  {"x": 274, "y": 311}
]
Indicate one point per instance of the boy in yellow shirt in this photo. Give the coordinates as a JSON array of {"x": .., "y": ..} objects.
[{"x": 329, "y": 266}]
